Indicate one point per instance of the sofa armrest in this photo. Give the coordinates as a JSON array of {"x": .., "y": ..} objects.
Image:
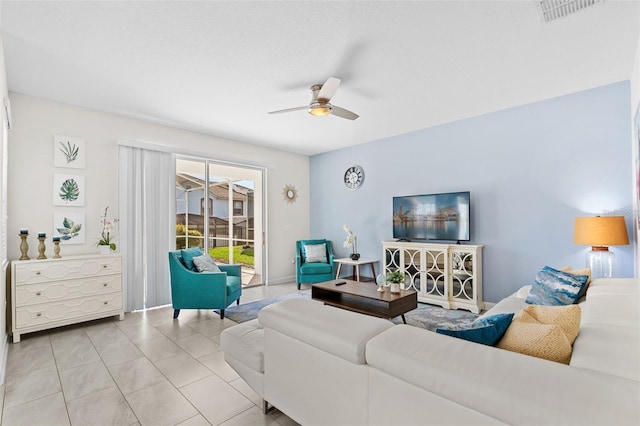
[
  {"x": 231, "y": 270},
  {"x": 336, "y": 331}
]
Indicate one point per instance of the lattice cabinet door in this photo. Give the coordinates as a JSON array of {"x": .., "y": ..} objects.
[
  {"x": 436, "y": 288},
  {"x": 466, "y": 278}
]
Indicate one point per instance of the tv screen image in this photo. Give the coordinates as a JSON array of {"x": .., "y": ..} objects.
[{"x": 432, "y": 217}]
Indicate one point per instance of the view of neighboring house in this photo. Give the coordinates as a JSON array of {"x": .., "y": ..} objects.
[{"x": 225, "y": 200}]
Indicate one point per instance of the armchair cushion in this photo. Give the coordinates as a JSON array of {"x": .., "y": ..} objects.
[
  {"x": 315, "y": 253},
  {"x": 315, "y": 268},
  {"x": 205, "y": 263},
  {"x": 188, "y": 255}
]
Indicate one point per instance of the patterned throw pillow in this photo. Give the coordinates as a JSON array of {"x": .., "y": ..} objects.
[
  {"x": 205, "y": 263},
  {"x": 188, "y": 255},
  {"x": 315, "y": 253},
  {"x": 585, "y": 271},
  {"x": 555, "y": 288},
  {"x": 486, "y": 331}
]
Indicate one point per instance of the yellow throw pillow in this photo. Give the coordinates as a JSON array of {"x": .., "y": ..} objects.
[
  {"x": 546, "y": 332},
  {"x": 546, "y": 341},
  {"x": 567, "y": 317}
]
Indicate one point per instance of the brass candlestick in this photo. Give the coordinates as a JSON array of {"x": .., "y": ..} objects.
[
  {"x": 41, "y": 248},
  {"x": 24, "y": 246},
  {"x": 56, "y": 249}
]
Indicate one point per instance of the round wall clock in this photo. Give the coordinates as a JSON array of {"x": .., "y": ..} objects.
[{"x": 354, "y": 177}]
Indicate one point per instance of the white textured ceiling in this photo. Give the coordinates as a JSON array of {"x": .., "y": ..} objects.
[{"x": 218, "y": 67}]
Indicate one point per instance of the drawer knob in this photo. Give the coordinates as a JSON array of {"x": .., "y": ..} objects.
[
  {"x": 38, "y": 294},
  {"x": 39, "y": 314},
  {"x": 105, "y": 303},
  {"x": 104, "y": 285},
  {"x": 38, "y": 273},
  {"x": 104, "y": 266}
]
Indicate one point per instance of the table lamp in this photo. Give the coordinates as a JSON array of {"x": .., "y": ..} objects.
[{"x": 600, "y": 232}]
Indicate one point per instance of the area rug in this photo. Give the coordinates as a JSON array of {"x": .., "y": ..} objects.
[{"x": 425, "y": 316}]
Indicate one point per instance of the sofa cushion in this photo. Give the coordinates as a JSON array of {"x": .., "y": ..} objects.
[
  {"x": 315, "y": 253},
  {"x": 245, "y": 342},
  {"x": 315, "y": 268},
  {"x": 205, "y": 263},
  {"x": 188, "y": 255},
  {"x": 487, "y": 330},
  {"x": 336, "y": 331},
  {"x": 553, "y": 287},
  {"x": 609, "y": 349}
]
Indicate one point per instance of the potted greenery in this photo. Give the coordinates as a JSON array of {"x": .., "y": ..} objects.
[{"x": 395, "y": 278}]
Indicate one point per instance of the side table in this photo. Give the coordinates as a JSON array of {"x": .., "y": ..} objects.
[{"x": 356, "y": 268}]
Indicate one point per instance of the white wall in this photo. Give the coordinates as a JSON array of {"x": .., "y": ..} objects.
[
  {"x": 635, "y": 140},
  {"x": 31, "y": 172},
  {"x": 3, "y": 216}
]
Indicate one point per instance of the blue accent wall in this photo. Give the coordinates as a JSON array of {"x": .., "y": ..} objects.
[{"x": 530, "y": 170}]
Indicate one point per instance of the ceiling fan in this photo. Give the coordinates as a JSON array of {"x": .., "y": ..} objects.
[{"x": 321, "y": 94}]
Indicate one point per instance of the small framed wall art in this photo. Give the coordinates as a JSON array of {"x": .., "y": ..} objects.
[
  {"x": 68, "y": 152},
  {"x": 69, "y": 227},
  {"x": 68, "y": 190}
]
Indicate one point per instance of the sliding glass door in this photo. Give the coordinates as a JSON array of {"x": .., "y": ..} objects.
[{"x": 220, "y": 208}]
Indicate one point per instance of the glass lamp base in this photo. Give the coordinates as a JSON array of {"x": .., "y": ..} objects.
[{"x": 601, "y": 261}]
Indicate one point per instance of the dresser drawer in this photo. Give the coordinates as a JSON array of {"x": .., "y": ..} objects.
[
  {"x": 65, "y": 310},
  {"x": 31, "y": 272},
  {"x": 33, "y": 294}
]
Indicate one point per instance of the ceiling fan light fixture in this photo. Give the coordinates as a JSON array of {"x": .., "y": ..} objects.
[{"x": 319, "y": 110}]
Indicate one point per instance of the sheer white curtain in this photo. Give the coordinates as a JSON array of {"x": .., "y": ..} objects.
[{"x": 147, "y": 225}]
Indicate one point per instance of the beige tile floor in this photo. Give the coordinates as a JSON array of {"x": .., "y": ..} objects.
[{"x": 145, "y": 370}]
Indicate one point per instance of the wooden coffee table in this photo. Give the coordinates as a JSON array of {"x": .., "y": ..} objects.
[{"x": 365, "y": 298}]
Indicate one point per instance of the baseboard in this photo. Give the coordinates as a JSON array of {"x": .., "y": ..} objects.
[
  {"x": 283, "y": 280},
  {"x": 488, "y": 305}
]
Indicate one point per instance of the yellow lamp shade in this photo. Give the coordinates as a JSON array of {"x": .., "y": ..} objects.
[{"x": 600, "y": 231}]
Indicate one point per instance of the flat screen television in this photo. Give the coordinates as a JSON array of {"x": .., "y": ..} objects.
[{"x": 444, "y": 217}]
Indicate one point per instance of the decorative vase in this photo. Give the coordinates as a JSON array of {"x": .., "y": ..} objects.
[
  {"x": 355, "y": 256},
  {"x": 105, "y": 249},
  {"x": 395, "y": 288}
]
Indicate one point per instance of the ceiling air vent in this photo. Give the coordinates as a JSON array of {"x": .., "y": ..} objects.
[{"x": 554, "y": 9}]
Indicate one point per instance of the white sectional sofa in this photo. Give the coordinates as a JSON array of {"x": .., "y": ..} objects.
[{"x": 326, "y": 366}]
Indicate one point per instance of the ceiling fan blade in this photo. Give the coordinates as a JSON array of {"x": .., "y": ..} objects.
[
  {"x": 329, "y": 89},
  {"x": 344, "y": 113},
  {"x": 288, "y": 109}
]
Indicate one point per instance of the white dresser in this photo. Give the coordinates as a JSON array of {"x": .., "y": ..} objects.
[{"x": 51, "y": 293}]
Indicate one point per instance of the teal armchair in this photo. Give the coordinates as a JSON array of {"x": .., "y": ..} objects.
[
  {"x": 203, "y": 290},
  {"x": 313, "y": 272}
]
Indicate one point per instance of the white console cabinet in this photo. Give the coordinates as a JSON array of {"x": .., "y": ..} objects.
[
  {"x": 448, "y": 275},
  {"x": 51, "y": 293}
]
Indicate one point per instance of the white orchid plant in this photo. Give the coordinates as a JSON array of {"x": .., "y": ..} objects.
[
  {"x": 351, "y": 241},
  {"x": 107, "y": 226}
]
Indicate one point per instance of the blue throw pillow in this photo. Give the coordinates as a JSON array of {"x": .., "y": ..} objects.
[
  {"x": 486, "y": 331},
  {"x": 556, "y": 288},
  {"x": 188, "y": 255}
]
